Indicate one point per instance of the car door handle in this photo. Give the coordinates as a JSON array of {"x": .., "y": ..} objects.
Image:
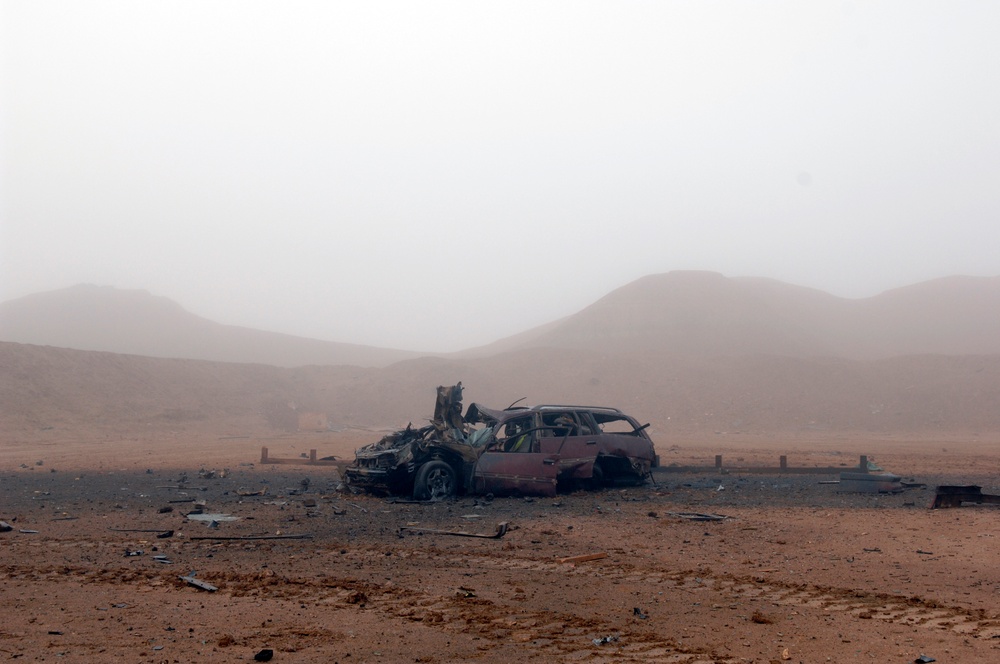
[{"x": 591, "y": 442}]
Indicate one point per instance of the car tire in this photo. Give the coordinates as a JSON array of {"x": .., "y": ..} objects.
[{"x": 436, "y": 480}]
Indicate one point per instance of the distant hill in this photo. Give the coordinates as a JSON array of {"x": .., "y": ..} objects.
[
  {"x": 134, "y": 322},
  {"x": 677, "y": 314},
  {"x": 705, "y": 314}
]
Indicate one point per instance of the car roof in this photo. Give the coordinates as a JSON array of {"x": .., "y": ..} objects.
[{"x": 606, "y": 409}]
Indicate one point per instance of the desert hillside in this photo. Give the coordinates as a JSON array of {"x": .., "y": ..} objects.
[
  {"x": 137, "y": 323},
  {"x": 93, "y": 393},
  {"x": 707, "y": 314},
  {"x": 684, "y": 314},
  {"x": 694, "y": 353}
]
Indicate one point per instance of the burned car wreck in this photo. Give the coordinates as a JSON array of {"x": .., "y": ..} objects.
[{"x": 515, "y": 451}]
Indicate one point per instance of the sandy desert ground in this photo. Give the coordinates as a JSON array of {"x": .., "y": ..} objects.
[{"x": 798, "y": 572}]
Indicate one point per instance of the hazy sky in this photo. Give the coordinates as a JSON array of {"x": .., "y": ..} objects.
[{"x": 437, "y": 175}]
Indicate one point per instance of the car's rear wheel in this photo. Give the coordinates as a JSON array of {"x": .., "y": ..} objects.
[
  {"x": 435, "y": 481},
  {"x": 596, "y": 480}
]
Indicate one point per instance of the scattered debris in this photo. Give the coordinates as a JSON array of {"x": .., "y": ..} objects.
[
  {"x": 160, "y": 533},
  {"x": 924, "y": 659},
  {"x": 129, "y": 553},
  {"x": 637, "y": 612},
  {"x": 26, "y": 531},
  {"x": 163, "y": 559},
  {"x": 216, "y": 517},
  {"x": 694, "y": 516},
  {"x": 956, "y": 496},
  {"x": 264, "y": 655},
  {"x": 606, "y": 639},
  {"x": 198, "y": 583},
  {"x": 5, "y": 527},
  {"x": 501, "y": 530},
  {"x": 247, "y": 538},
  {"x": 870, "y": 483},
  {"x": 925, "y": 553},
  {"x": 245, "y": 493},
  {"x": 584, "y": 558}
]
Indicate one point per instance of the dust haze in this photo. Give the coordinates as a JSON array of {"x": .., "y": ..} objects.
[{"x": 437, "y": 176}]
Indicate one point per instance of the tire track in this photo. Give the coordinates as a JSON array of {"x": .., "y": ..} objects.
[
  {"x": 538, "y": 634},
  {"x": 862, "y": 604}
]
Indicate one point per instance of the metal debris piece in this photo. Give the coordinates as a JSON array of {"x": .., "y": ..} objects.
[
  {"x": 611, "y": 638},
  {"x": 639, "y": 614},
  {"x": 161, "y": 534},
  {"x": 924, "y": 659},
  {"x": 5, "y": 527},
  {"x": 956, "y": 496},
  {"x": 242, "y": 538},
  {"x": 870, "y": 483},
  {"x": 500, "y": 531},
  {"x": 584, "y": 558},
  {"x": 264, "y": 655},
  {"x": 198, "y": 583},
  {"x": 210, "y": 517},
  {"x": 695, "y": 516}
]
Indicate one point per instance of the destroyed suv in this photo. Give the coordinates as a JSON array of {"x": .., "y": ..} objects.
[{"x": 516, "y": 451}]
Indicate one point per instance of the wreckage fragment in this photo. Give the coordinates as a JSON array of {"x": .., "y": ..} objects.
[
  {"x": 500, "y": 531},
  {"x": 198, "y": 583},
  {"x": 956, "y": 496},
  {"x": 870, "y": 483}
]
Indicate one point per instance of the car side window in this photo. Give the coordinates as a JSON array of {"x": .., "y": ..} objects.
[
  {"x": 559, "y": 425},
  {"x": 587, "y": 425},
  {"x": 519, "y": 435}
]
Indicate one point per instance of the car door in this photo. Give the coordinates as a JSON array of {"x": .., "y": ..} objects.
[
  {"x": 571, "y": 437},
  {"x": 504, "y": 473}
]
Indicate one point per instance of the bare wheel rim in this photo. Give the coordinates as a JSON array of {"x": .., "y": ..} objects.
[{"x": 440, "y": 483}]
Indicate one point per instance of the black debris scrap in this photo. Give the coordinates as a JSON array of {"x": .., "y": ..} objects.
[{"x": 956, "y": 496}]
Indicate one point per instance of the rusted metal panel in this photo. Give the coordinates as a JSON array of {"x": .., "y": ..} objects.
[{"x": 505, "y": 473}]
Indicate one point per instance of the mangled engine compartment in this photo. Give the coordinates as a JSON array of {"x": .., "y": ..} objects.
[{"x": 391, "y": 464}]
